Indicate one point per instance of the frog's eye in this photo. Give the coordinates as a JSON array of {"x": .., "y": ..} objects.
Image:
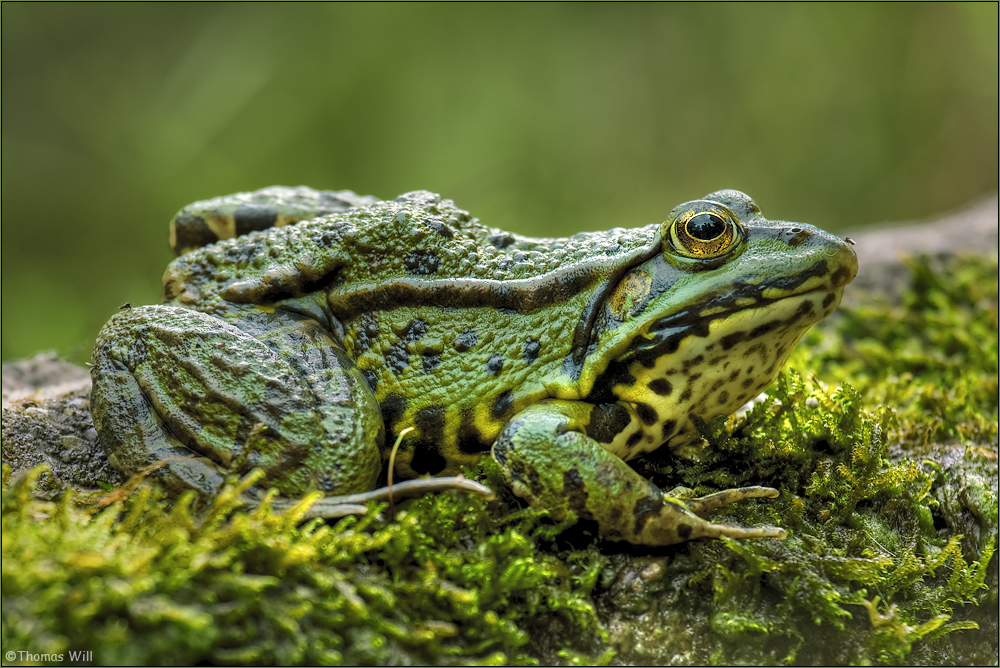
[{"x": 701, "y": 230}]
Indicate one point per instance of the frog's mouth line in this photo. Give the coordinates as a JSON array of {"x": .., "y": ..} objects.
[{"x": 665, "y": 335}]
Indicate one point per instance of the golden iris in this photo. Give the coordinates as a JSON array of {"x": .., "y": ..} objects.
[{"x": 703, "y": 231}]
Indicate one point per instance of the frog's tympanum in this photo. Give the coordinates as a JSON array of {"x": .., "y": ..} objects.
[{"x": 305, "y": 349}]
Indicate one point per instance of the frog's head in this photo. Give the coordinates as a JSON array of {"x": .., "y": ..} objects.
[{"x": 718, "y": 308}]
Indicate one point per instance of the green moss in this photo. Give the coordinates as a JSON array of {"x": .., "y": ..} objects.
[
  {"x": 448, "y": 581},
  {"x": 932, "y": 357},
  {"x": 889, "y": 493}
]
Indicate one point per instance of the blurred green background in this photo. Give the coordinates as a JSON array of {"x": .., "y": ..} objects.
[{"x": 539, "y": 118}]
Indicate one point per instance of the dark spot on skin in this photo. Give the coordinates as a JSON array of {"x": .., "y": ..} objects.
[
  {"x": 829, "y": 299},
  {"x": 716, "y": 385},
  {"x": 742, "y": 397},
  {"x": 633, "y": 439},
  {"x": 466, "y": 340},
  {"x": 519, "y": 472},
  {"x": 685, "y": 395},
  {"x": 646, "y": 508},
  {"x": 607, "y": 421},
  {"x": 430, "y": 422},
  {"x": 723, "y": 397},
  {"x": 668, "y": 428},
  {"x": 747, "y": 383},
  {"x": 426, "y": 459},
  {"x": 684, "y": 531},
  {"x": 329, "y": 238},
  {"x": 501, "y": 240},
  {"x": 393, "y": 407},
  {"x": 471, "y": 442},
  {"x": 397, "y": 357},
  {"x": 242, "y": 254},
  {"x": 576, "y": 493},
  {"x": 531, "y": 349},
  {"x": 431, "y": 361},
  {"x": 692, "y": 362},
  {"x": 761, "y": 330},
  {"x": 646, "y": 413},
  {"x": 503, "y": 406},
  {"x": 250, "y": 218},
  {"x": 172, "y": 288},
  {"x": 733, "y": 375},
  {"x": 421, "y": 262},
  {"x": 494, "y": 365},
  {"x": 367, "y": 333},
  {"x": 617, "y": 373},
  {"x": 838, "y": 277},
  {"x": 191, "y": 232},
  {"x": 661, "y": 386},
  {"x": 731, "y": 340},
  {"x": 441, "y": 228},
  {"x": 413, "y": 330}
]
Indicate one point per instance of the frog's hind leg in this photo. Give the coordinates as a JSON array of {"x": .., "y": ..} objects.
[
  {"x": 212, "y": 398},
  {"x": 208, "y": 221},
  {"x": 548, "y": 459}
]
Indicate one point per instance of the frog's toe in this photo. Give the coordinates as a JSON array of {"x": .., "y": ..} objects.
[
  {"x": 726, "y": 497},
  {"x": 673, "y": 523}
]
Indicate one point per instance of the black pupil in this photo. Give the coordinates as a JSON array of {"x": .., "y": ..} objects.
[{"x": 706, "y": 226}]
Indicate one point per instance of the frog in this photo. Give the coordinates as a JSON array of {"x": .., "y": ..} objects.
[{"x": 313, "y": 335}]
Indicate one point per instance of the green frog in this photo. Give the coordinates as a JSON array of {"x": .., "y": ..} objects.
[{"x": 302, "y": 331}]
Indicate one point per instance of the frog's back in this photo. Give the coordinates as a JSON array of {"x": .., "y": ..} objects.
[{"x": 416, "y": 239}]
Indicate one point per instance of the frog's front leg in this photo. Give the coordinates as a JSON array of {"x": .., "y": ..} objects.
[
  {"x": 548, "y": 459},
  {"x": 270, "y": 389}
]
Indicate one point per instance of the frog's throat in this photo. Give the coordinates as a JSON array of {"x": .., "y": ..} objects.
[
  {"x": 714, "y": 375},
  {"x": 733, "y": 325},
  {"x": 719, "y": 329}
]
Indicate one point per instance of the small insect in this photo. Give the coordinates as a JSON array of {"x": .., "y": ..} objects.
[
  {"x": 125, "y": 306},
  {"x": 850, "y": 241}
]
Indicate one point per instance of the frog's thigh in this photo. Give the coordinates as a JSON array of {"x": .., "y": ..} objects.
[
  {"x": 133, "y": 433},
  {"x": 169, "y": 381},
  {"x": 550, "y": 462}
]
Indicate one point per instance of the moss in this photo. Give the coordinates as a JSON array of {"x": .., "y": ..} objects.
[
  {"x": 888, "y": 473},
  {"x": 139, "y": 582}
]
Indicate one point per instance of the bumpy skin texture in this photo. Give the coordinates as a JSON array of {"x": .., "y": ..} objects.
[{"x": 305, "y": 349}]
